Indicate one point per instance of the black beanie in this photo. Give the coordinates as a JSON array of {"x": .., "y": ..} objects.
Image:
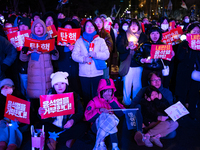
[{"x": 25, "y": 21}]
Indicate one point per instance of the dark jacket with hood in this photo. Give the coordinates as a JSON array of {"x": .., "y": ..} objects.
[{"x": 53, "y": 15}]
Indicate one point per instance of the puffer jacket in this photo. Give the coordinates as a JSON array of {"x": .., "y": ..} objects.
[
  {"x": 92, "y": 110},
  {"x": 143, "y": 51},
  {"x": 39, "y": 72},
  {"x": 80, "y": 51}
]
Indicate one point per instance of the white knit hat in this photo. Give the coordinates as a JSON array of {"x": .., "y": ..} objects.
[
  {"x": 59, "y": 77},
  {"x": 6, "y": 81}
]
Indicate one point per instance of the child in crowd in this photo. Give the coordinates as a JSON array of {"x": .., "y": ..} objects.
[
  {"x": 99, "y": 112},
  {"x": 10, "y": 136},
  {"x": 76, "y": 128},
  {"x": 157, "y": 124}
]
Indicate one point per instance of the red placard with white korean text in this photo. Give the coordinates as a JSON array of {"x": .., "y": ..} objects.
[
  {"x": 17, "y": 38},
  {"x": 66, "y": 36},
  {"x": 10, "y": 30},
  {"x": 107, "y": 26},
  {"x": 51, "y": 30},
  {"x": 194, "y": 41},
  {"x": 17, "y": 108},
  {"x": 41, "y": 45},
  {"x": 161, "y": 52},
  {"x": 172, "y": 36},
  {"x": 57, "y": 105}
]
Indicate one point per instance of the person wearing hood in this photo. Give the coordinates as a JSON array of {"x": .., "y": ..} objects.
[
  {"x": 17, "y": 20},
  {"x": 186, "y": 22},
  {"x": 66, "y": 63},
  {"x": 50, "y": 18},
  {"x": 88, "y": 72},
  {"x": 127, "y": 43},
  {"x": 35, "y": 16},
  {"x": 39, "y": 64},
  {"x": 187, "y": 88},
  {"x": 142, "y": 55},
  {"x": 99, "y": 110},
  {"x": 10, "y": 138},
  {"x": 123, "y": 26}
]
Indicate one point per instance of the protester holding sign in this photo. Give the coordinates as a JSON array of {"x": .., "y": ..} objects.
[
  {"x": 127, "y": 43},
  {"x": 39, "y": 65},
  {"x": 106, "y": 36},
  {"x": 157, "y": 123},
  {"x": 144, "y": 58},
  {"x": 11, "y": 137},
  {"x": 65, "y": 62},
  {"x": 104, "y": 122},
  {"x": 90, "y": 51},
  {"x": 187, "y": 89},
  {"x": 66, "y": 128}
]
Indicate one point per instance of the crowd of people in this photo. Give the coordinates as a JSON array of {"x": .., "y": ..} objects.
[{"x": 27, "y": 74}]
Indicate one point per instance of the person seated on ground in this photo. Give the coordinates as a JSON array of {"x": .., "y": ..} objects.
[
  {"x": 74, "y": 123},
  {"x": 157, "y": 123},
  {"x": 10, "y": 138},
  {"x": 99, "y": 113}
]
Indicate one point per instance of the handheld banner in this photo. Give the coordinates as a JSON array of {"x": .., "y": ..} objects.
[
  {"x": 131, "y": 120},
  {"x": 51, "y": 30},
  {"x": 40, "y": 45},
  {"x": 172, "y": 25},
  {"x": 10, "y": 30},
  {"x": 66, "y": 36},
  {"x": 172, "y": 36},
  {"x": 107, "y": 26},
  {"x": 57, "y": 105},
  {"x": 17, "y": 108},
  {"x": 194, "y": 41},
  {"x": 161, "y": 52},
  {"x": 17, "y": 38},
  {"x": 176, "y": 111}
]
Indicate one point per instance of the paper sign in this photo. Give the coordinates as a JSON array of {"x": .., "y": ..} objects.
[
  {"x": 172, "y": 25},
  {"x": 17, "y": 108},
  {"x": 41, "y": 45},
  {"x": 194, "y": 41},
  {"x": 17, "y": 38},
  {"x": 176, "y": 111},
  {"x": 66, "y": 36},
  {"x": 51, "y": 30},
  {"x": 161, "y": 52},
  {"x": 57, "y": 105},
  {"x": 172, "y": 36},
  {"x": 131, "y": 120},
  {"x": 10, "y": 30},
  {"x": 107, "y": 26}
]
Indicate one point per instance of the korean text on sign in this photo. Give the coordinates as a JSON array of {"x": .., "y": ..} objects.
[
  {"x": 66, "y": 36},
  {"x": 40, "y": 45},
  {"x": 51, "y": 30},
  {"x": 57, "y": 105},
  {"x": 172, "y": 36},
  {"x": 161, "y": 52},
  {"x": 17, "y": 38},
  {"x": 17, "y": 108},
  {"x": 194, "y": 41},
  {"x": 10, "y": 30}
]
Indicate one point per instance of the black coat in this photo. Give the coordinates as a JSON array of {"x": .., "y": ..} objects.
[{"x": 122, "y": 43}]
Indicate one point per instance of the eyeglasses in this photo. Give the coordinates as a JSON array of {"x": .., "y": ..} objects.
[{"x": 155, "y": 80}]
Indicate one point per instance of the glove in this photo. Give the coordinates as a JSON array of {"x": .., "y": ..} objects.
[
  {"x": 24, "y": 50},
  {"x": 4, "y": 67},
  {"x": 53, "y": 52}
]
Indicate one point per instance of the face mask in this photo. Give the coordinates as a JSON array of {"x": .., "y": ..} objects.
[
  {"x": 187, "y": 20},
  {"x": 164, "y": 26},
  {"x": 6, "y": 91},
  {"x": 125, "y": 28}
]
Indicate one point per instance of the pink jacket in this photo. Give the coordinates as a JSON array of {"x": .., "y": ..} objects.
[{"x": 92, "y": 110}]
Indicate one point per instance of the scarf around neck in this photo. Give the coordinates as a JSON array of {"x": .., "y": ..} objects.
[{"x": 89, "y": 37}]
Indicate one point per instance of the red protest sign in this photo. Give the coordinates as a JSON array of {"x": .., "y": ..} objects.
[
  {"x": 161, "y": 52},
  {"x": 51, "y": 30},
  {"x": 66, "y": 36},
  {"x": 172, "y": 36},
  {"x": 57, "y": 105},
  {"x": 172, "y": 25},
  {"x": 41, "y": 45},
  {"x": 107, "y": 26},
  {"x": 17, "y": 108},
  {"x": 17, "y": 38},
  {"x": 10, "y": 30},
  {"x": 194, "y": 41}
]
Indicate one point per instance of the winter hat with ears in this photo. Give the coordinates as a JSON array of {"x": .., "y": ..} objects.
[{"x": 59, "y": 77}]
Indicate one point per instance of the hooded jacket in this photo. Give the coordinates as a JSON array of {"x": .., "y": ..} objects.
[
  {"x": 92, "y": 110},
  {"x": 39, "y": 72}
]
